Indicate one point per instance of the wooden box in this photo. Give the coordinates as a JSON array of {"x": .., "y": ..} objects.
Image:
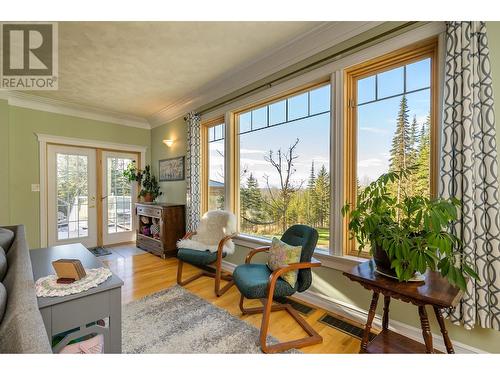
[{"x": 69, "y": 269}]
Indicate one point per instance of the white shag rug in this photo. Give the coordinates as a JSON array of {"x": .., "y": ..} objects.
[{"x": 177, "y": 321}]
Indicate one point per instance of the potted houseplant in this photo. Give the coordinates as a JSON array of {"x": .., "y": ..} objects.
[
  {"x": 149, "y": 189},
  {"x": 408, "y": 234}
]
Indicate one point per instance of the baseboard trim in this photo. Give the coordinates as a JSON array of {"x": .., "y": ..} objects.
[{"x": 359, "y": 315}]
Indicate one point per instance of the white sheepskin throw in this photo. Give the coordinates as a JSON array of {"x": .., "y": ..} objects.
[{"x": 214, "y": 226}]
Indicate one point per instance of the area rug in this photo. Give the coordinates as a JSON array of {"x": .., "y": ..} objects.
[{"x": 177, "y": 321}]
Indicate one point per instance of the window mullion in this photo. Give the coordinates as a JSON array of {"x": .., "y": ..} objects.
[{"x": 336, "y": 163}]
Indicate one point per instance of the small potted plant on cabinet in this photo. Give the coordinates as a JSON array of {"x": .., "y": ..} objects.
[
  {"x": 148, "y": 186},
  {"x": 407, "y": 234}
]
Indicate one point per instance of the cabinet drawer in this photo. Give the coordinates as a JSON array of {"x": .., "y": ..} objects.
[
  {"x": 149, "y": 211},
  {"x": 149, "y": 244}
]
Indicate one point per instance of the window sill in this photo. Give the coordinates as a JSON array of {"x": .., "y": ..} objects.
[{"x": 336, "y": 262}]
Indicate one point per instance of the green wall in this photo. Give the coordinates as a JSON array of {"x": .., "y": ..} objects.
[
  {"x": 330, "y": 284},
  {"x": 4, "y": 162},
  {"x": 174, "y": 191},
  {"x": 23, "y": 157}
]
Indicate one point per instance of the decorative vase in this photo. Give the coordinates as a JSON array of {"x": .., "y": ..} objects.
[
  {"x": 382, "y": 261},
  {"x": 148, "y": 197}
]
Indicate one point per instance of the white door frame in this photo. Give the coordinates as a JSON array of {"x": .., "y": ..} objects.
[
  {"x": 52, "y": 226},
  {"x": 44, "y": 140},
  {"x": 119, "y": 237}
]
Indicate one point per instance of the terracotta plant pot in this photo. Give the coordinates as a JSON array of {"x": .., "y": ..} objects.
[
  {"x": 383, "y": 262},
  {"x": 148, "y": 197}
]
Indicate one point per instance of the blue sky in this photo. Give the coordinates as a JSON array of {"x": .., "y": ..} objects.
[{"x": 376, "y": 126}]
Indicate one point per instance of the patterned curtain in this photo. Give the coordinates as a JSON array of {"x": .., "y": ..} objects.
[
  {"x": 469, "y": 167},
  {"x": 193, "y": 197}
]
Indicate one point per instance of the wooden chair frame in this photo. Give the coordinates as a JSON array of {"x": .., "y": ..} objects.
[
  {"x": 217, "y": 273},
  {"x": 268, "y": 306}
]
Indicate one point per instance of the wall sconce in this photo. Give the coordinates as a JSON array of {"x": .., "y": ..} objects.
[{"x": 168, "y": 142}]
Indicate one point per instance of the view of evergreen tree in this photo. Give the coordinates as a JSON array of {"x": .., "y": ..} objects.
[
  {"x": 311, "y": 196},
  {"x": 401, "y": 141},
  {"x": 401, "y": 150},
  {"x": 410, "y": 149},
  {"x": 423, "y": 160},
  {"x": 252, "y": 207},
  {"x": 322, "y": 193}
]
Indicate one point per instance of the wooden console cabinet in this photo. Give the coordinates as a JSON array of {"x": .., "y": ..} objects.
[{"x": 170, "y": 221}]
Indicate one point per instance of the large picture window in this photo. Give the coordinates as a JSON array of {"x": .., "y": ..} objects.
[
  {"x": 214, "y": 170},
  {"x": 390, "y": 123},
  {"x": 284, "y": 165},
  {"x": 271, "y": 162}
]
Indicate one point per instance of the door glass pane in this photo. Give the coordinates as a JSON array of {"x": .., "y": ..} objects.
[
  {"x": 72, "y": 196},
  {"x": 119, "y": 199}
]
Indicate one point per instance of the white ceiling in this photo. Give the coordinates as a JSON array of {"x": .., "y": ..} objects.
[
  {"x": 147, "y": 73},
  {"x": 138, "y": 68}
]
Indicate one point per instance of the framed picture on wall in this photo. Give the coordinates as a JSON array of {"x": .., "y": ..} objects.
[{"x": 171, "y": 169}]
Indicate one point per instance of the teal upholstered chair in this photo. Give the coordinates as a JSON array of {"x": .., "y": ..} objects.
[
  {"x": 257, "y": 281},
  {"x": 217, "y": 227}
]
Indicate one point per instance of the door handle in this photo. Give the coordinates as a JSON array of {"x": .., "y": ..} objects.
[{"x": 103, "y": 198}]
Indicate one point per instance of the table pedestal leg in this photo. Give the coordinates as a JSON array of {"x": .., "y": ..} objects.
[
  {"x": 444, "y": 332},
  {"x": 371, "y": 315},
  {"x": 426, "y": 329},
  {"x": 385, "y": 320}
]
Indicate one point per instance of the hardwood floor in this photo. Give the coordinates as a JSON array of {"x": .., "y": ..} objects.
[{"x": 146, "y": 274}]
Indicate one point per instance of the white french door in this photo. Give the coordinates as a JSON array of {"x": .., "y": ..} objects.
[
  {"x": 118, "y": 198},
  {"x": 71, "y": 195}
]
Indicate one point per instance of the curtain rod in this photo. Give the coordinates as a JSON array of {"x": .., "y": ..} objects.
[{"x": 313, "y": 65}]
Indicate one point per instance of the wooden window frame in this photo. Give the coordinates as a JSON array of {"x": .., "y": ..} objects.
[
  {"x": 235, "y": 139},
  {"x": 205, "y": 159},
  {"x": 407, "y": 55}
]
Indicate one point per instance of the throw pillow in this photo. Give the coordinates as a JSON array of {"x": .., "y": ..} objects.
[
  {"x": 281, "y": 254},
  {"x": 6, "y": 238},
  {"x": 3, "y": 264},
  {"x": 3, "y": 301}
]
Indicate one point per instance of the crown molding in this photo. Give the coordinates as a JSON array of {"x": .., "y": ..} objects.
[
  {"x": 323, "y": 36},
  {"x": 40, "y": 103}
]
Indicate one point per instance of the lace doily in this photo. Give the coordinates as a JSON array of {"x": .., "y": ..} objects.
[{"x": 48, "y": 287}]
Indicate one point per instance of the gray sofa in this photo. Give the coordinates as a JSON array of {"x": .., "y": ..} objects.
[{"x": 21, "y": 327}]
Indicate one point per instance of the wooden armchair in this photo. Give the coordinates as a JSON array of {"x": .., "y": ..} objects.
[
  {"x": 204, "y": 260},
  {"x": 256, "y": 281}
]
